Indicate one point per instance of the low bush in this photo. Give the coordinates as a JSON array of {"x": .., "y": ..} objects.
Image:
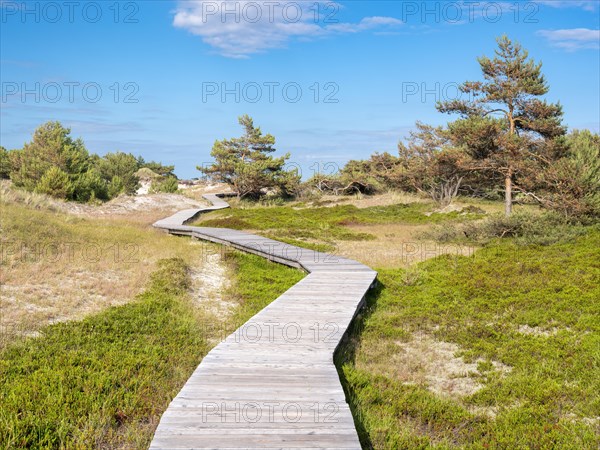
[
  {"x": 168, "y": 185},
  {"x": 55, "y": 183},
  {"x": 526, "y": 228},
  {"x": 5, "y": 164},
  {"x": 573, "y": 182},
  {"x": 104, "y": 381}
]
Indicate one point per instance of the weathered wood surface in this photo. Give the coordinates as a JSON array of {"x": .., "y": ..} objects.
[{"x": 272, "y": 383}]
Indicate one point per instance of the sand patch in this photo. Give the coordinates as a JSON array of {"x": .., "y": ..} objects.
[
  {"x": 435, "y": 364},
  {"x": 209, "y": 281},
  {"x": 537, "y": 331}
]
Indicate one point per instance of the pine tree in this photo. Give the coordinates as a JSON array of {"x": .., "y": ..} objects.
[
  {"x": 505, "y": 128},
  {"x": 52, "y": 146},
  {"x": 246, "y": 163},
  {"x": 56, "y": 183}
]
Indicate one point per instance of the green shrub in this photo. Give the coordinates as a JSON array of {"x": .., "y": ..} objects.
[
  {"x": 115, "y": 186},
  {"x": 119, "y": 169},
  {"x": 99, "y": 382},
  {"x": 158, "y": 168},
  {"x": 56, "y": 183},
  {"x": 526, "y": 229},
  {"x": 167, "y": 185},
  {"x": 51, "y": 146},
  {"x": 573, "y": 182},
  {"x": 89, "y": 186},
  {"x": 90, "y": 177},
  {"x": 4, "y": 163}
]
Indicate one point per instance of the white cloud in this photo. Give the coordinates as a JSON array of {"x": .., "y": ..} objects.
[
  {"x": 588, "y": 5},
  {"x": 237, "y": 29},
  {"x": 367, "y": 23},
  {"x": 573, "y": 39}
]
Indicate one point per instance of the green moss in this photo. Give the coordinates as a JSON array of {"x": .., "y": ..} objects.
[{"x": 260, "y": 281}]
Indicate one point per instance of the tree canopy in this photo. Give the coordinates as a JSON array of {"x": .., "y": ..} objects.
[
  {"x": 504, "y": 126},
  {"x": 247, "y": 163},
  {"x": 56, "y": 164}
]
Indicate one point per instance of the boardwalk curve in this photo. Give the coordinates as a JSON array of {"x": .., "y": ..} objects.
[{"x": 272, "y": 383}]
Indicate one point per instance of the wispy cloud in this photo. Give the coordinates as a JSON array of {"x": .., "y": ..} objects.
[
  {"x": 101, "y": 127},
  {"x": 367, "y": 23},
  {"x": 238, "y": 29},
  {"x": 572, "y": 39},
  {"x": 588, "y": 5},
  {"x": 18, "y": 63}
]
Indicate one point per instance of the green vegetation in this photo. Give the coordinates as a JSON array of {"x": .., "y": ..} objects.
[
  {"x": 496, "y": 350},
  {"x": 508, "y": 141},
  {"x": 54, "y": 163},
  {"x": 323, "y": 225},
  {"x": 167, "y": 185},
  {"x": 247, "y": 165},
  {"x": 263, "y": 281},
  {"x": 573, "y": 182},
  {"x": 534, "y": 309},
  {"x": 525, "y": 227},
  {"x": 104, "y": 381},
  {"x": 504, "y": 127},
  {"x": 4, "y": 163}
]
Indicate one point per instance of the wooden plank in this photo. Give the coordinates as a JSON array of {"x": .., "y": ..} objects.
[{"x": 260, "y": 368}]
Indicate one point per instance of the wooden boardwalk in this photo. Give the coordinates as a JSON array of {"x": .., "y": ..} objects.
[{"x": 272, "y": 383}]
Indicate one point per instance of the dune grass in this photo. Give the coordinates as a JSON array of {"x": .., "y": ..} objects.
[
  {"x": 521, "y": 322},
  {"x": 102, "y": 375},
  {"x": 56, "y": 267},
  {"x": 527, "y": 318},
  {"x": 104, "y": 381}
]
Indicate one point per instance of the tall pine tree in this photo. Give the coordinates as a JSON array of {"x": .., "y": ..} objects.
[{"x": 505, "y": 127}]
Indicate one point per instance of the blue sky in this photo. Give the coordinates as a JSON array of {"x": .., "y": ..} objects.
[{"x": 345, "y": 79}]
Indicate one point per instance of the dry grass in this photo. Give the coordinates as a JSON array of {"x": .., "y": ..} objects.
[
  {"x": 400, "y": 245},
  {"x": 430, "y": 363},
  {"x": 396, "y": 245},
  {"x": 437, "y": 365},
  {"x": 57, "y": 267},
  {"x": 378, "y": 236},
  {"x": 366, "y": 201},
  {"x": 395, "y": 197},
  {"x": 197, "y": 191}
]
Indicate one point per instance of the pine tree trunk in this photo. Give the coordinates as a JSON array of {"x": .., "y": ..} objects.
[
  {"x": 509, "y": 172},
  {"x": 508, "y": 193}
]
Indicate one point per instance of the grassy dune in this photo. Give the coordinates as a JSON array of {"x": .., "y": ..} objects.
[
  {"x": 522, "y": 324},
  {"x": 102, "y": 375},
  {"x": 497, "y": 349}
]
